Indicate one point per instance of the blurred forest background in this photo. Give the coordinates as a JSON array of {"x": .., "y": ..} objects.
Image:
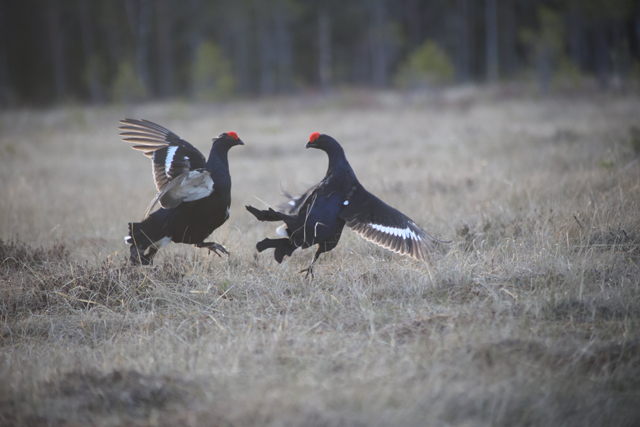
[{"x": 97, "y": 51}]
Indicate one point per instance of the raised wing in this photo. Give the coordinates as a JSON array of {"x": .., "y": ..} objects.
[
  {"x": 188, "y": 187},
  {"x": 379, "y": 223},
  {"x": 172, "y": 156}
]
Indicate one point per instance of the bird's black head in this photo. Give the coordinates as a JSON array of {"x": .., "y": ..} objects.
[
  {"x": 228, "y": 140},
  {"x": 334, "y": 150},
  {"x": 321, "y": 142}
]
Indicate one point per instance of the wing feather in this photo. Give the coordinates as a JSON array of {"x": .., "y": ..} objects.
[
  {"x": 188, "y": 187},
  {"x": 379, "y": 223},
  {"x": 171, "y": 155}
]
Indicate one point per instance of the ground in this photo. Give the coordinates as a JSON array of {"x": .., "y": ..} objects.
[{"x": 531, "y": 316}]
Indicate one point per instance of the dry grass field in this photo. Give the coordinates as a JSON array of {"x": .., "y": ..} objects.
[{"x": 530, "y": 317}]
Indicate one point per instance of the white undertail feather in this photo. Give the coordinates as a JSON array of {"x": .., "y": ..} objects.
[
  {"x": 282, "y": 230},
  {"x": 157, "y": 245}
]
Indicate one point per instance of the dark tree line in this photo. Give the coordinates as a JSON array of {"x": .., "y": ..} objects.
[{"x": 113, "y": 50}]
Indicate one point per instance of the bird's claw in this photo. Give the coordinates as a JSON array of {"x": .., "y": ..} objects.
[
  {"x": 214, "y": 247},
  {"x": 217, "y": 248},
  {"x": 138, "y": 256},
  {"x": 308, "y": 270}
]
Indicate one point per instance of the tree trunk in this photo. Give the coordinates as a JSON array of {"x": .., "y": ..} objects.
[
  {"x": 545, "y": 67},
  {"x": 57, "y": 50},
  {"x": 361, "y": 62},
  {"x": 324, "y": 48},
  {"x": 240, "y": 30},
  {"x": 414, "y": 24},
  {"x": 142, "y": 47},
  {"x": 576, "y": 35},
  {"x": 475, "y": 40},
  {"x": 637, "y": 29},
  {"x": 113, "y": 37},
  {"x": 491, "y": 19},
  {"x": 96, "y": 91},
  {"x": 378, "y": 43},
  {"x": 284, "y": 54},
  {"x": 463, "y": 41},
  {"x": 165, "y": 43},
  {"x": 140, "y": 24},
  {"x": 195, "y": 40},
  {"x": 602, "y": 51},
  {"x": 265, "y": 45},
  {"x": 6, "y": 92},
  {"x": 509, "y": 48},
  {"x": 621, "y": 59}
]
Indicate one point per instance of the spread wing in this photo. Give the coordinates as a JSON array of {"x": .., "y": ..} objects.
[
  {"x": 179, "y": 169},
  {"x": 171, "y": 155},
  {"x": 379, "y": 223},
  {"x": 188, "y": 187}
]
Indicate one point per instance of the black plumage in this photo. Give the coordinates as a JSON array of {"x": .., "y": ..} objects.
[
  {"x": 194, "y": 194},
  {"x": 319, "y": 215}
]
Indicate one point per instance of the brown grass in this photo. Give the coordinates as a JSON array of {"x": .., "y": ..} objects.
[{"x": 532, "y": 317}]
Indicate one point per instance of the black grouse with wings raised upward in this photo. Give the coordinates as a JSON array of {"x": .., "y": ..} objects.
[
  {"x": 319, "y": 215},
  {"x": 194, "y": 194}
]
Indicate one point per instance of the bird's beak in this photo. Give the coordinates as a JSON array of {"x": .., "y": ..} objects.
[
  {"x": 239, "y": 142},
  {"x": 309, "y": 144}
]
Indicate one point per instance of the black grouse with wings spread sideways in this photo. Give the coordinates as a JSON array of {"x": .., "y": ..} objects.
[
  {"x": 194, "y": 194},
  {"x": 319, "y": 215}
]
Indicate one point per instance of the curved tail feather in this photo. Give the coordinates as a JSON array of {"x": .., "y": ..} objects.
[{"x": 268, "y": 215}]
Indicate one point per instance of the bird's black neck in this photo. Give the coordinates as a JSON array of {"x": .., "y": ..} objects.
[
  {"x": 337, "y": 160},
  {"x": 219, "y": 156}
]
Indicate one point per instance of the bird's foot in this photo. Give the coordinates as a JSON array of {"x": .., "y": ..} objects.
[
  {"x": 139, "y": 258},
  {"x": 213, "y": 247},
  {"x": 308, "y": 271}
]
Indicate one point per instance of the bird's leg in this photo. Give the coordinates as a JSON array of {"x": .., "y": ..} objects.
[
  {"x": 213, "y": 247},
  {"x": 149, "y": 257},
  {"x": 136, "y": 255},
  {"x": 139, "y": 258},
  {"x": 309, "y": 270}
]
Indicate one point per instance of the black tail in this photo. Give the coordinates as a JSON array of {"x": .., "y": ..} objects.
[
  {"x": 282, "y": 247},
  {"x": 141, "y": 237},
  {"x": 269, "y": 215}
]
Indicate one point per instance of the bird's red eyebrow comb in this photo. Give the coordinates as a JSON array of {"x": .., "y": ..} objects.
[
  {"x": 314, "y": 136},
  {"x": 233, "y": 135}
]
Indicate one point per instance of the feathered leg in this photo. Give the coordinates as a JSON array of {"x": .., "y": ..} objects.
[
  {"x": 322, "y": 248},
  {"x": 138, "y": 257},
  {"x": 141, "y": 238},
  {"x": 282, "y": 247}
]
